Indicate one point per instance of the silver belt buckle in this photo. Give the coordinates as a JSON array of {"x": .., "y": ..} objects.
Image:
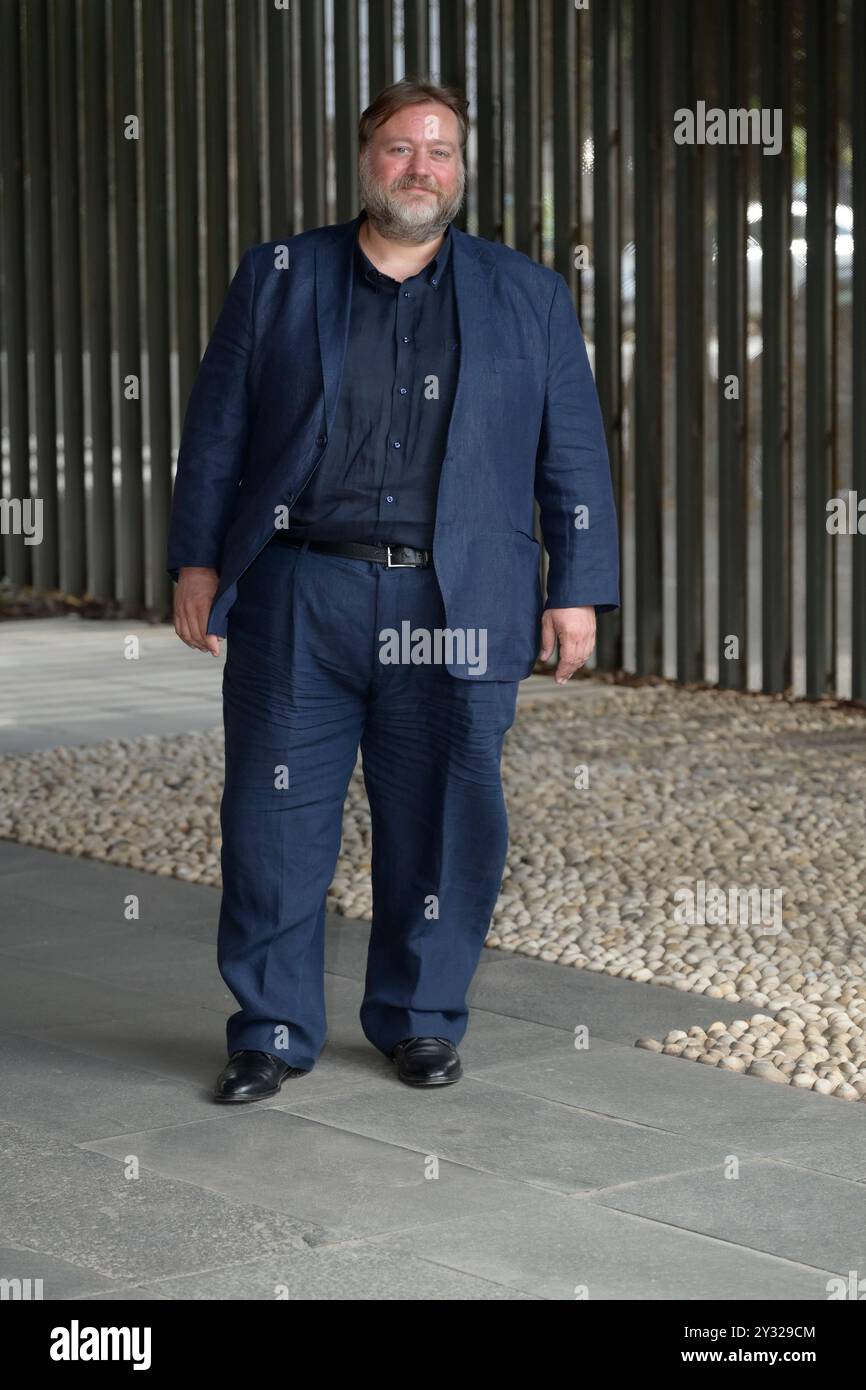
[{"x": 400, "y": 565}]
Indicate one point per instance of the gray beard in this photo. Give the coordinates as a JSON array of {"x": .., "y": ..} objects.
[{"x": 389, "y": 217}]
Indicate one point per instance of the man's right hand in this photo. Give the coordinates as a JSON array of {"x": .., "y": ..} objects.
[{"x": 192, "y": 604}]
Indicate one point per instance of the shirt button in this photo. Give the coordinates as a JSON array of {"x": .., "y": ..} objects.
[
  {"x": 405, "y": 340},
  {"x": 321, "y": 439},
  {"x": 396, "y": 444},
  {"x": 402, "y": 390},
  {"x": 389, "y": 499},
  {"x": 432, "y": 282},
  {"x": 406, "y": 294}
]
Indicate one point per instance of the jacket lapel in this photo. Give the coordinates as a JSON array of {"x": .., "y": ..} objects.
[
  {"x": 334, "y": 281},
  {"x": 472, "y": 268}
]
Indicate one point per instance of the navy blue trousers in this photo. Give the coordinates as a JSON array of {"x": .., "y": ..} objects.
[{"x": 303, "y": 688}]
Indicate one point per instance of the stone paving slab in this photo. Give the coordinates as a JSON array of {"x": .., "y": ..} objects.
[
  {"x": 36, "y": 997},
  {"x": 49, "y": 1087},
  {"x": 807, "y": 1217},
  {"x": 347, "y": 1184},
  {"x": 68, "y": 682},
  {"x": 552, "y": 1245},
  {"x": 610, "y": 1079},
  {"x": 509, "y": 1134},
  {"x": 125, "y": 1293},
  {"x": 165, "y": 968},
  {"x": 60, "y": 1278},
  {"x": 98, "y": 889},
  {"x": 77, "y": 1205},
  {"x": 616, "y": 1010},
  {"x": 184, "y": 1043},
  {"x": 359, "y": 1271},
  {"x": 111, "y": 1050}
]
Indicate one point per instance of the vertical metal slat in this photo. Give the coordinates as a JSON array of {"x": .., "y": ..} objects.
[
  {"x": 488, "y": 119},
  {"x": 157, "y": 300},
  {"x": 730, "y": 289},
  {"x": 688, "y": 310},
  {"x": 40, "y": 284},
  {"x": 186, "y": 197},
  {"x": 527, "y": 131},
  {"x": 101, "y": 551},
  {"x": 647, "y": 391},
  {"x": 858, "y": 336},
  {"x": 131, "y": 508},
  {"x": 313, "y": 107},
  {"x": 775, "y": 238},
  {"x": 820, "y": 224},
  {"x": 218, "y": 269},
  {"x": 347, "y": 81},
  {"x": 606, "y": 263},
  {"x": 17, "y": 555}
]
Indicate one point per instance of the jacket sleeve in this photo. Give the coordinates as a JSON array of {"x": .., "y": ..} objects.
[
  {"x": 572, "y": 474},
  {"x": 215, "y": 428}
]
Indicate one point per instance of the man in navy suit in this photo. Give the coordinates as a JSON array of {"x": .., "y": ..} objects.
[{"x": 380, "y": 405}]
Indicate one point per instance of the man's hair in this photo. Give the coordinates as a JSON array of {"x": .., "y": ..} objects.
[{"x": 412, "y": 91}]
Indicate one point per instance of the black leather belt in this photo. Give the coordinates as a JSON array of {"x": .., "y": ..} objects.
[{"x": 392, "y": 556}]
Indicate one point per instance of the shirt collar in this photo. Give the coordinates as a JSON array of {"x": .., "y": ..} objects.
[{"x": 433, "y": 270}]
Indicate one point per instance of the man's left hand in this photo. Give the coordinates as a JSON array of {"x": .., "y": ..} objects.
[{"x": 575, "y": 629}]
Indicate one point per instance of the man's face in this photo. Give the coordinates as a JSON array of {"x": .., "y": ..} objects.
[{"x": 412, "y": 177}]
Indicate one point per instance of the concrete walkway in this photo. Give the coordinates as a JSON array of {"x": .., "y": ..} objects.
[
  {"x": 545, "y": 1169},
  {"x": 66, "y": 681},
  {"x": 548, "y": 1170}
]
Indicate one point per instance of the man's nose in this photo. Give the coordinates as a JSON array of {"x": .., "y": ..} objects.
[{"x": 420, "y": 167}]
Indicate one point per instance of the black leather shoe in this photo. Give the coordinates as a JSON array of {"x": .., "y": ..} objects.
[
  {"x": 427, "y": 1061},
  {"x": 252, "y": 1075}
]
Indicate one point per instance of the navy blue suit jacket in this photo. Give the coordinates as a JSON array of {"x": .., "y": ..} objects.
[{"x": 525, "y": 424}]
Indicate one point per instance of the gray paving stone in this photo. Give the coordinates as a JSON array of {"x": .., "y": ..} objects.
[
  {"x": 98, "y": 890},
  {"x": 504, "y": 1132},
  {"x": 551, "y": 1246},
  {"x": 618, "y": 1010},
  {"x": 156, "y": 963},
  {"x": 801, "y": 1215},
  {"x": 78, "y": 1206},
  {"x": 360, "y": 1272},
  {"x": 666, "y": 1092},
  {"x": 48, "y": 1087},
  {"x": 189, "y": 1044},
  {"x": 123, "y": 1293},
  {"x": 346, "y": 945},
  {"x": 37, "y": 997},
  {"x": 70, "y": 684},
  {"x": 492, "y": 1041},
  {"x": 830, "y": 1141},
  {"x": 14, "y": 857},
  {"x": 27, "y": 926},
  {"x": 115, "y": 1042},
  {"x": 345, "y": 1182},
  {"x": 59, "y": 1278}
]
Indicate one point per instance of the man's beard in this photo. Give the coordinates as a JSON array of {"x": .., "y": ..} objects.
[{"x": 415, "y": 220}]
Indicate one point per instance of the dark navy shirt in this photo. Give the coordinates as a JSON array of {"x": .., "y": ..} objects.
[{"x": 378, "y": 478}]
